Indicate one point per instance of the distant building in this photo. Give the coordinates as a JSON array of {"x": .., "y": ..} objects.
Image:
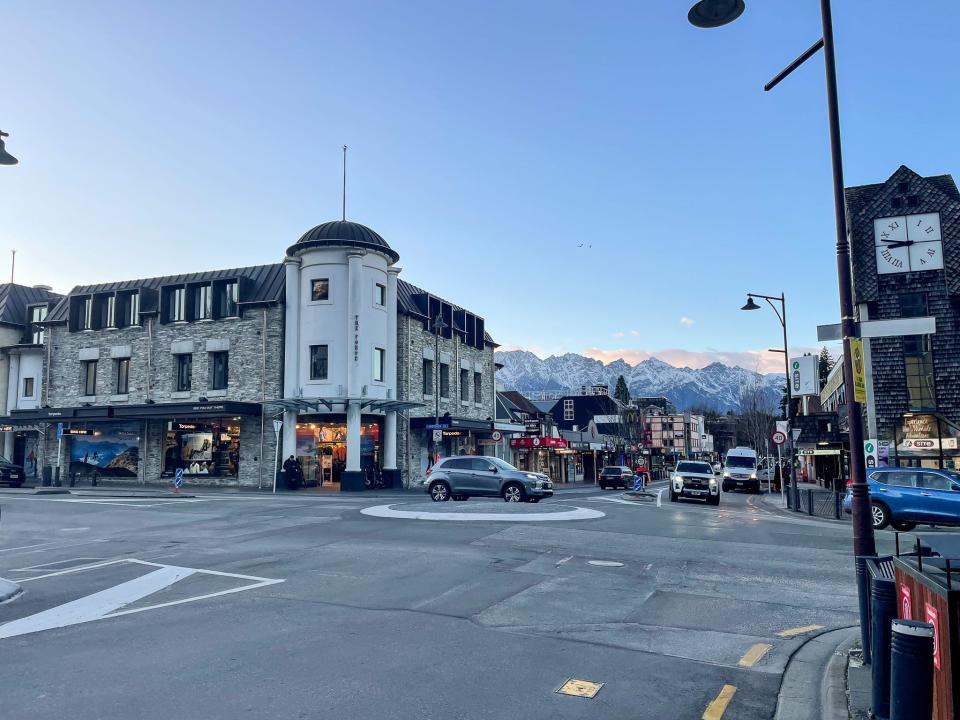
[{"x": 595, "y": 390}]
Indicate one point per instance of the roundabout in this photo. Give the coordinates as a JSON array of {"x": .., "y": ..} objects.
[{"x": 482, "y": 512}]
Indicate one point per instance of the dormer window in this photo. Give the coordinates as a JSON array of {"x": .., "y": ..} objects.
[
  {"x": 228, "y": 298},
  {"x": 178, "y": 305},
  {"x": 203, "y": 303},
  {"x": 38, "y": 313},
  {"x": 110, "y": 311},
  {"x": 133, "y": 309},
  {"x": 86, "y": 314}
]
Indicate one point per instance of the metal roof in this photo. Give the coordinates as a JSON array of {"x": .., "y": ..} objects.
[
  {"x": 409, "y": 304},
  {"x": 14, "y": 300},
  {"x": 339, "y": 233}
]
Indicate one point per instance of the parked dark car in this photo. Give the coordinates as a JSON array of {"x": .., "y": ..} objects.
[
  {"x": 616, "y": 476},
  {"x": 11, "y": 474},
  {"x": 905, "y": 497},
  {"x": 465, "y": 476}
]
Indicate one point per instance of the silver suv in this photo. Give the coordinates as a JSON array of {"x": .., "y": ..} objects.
[{"x": 464, "y": 476}]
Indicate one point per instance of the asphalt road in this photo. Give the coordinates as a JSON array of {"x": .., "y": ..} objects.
[{"x": 226, "y": 606}]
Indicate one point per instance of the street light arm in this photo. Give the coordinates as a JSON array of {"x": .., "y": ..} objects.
[
  {"x": 774, "y": 308},
  {"x": 807, "y": 54}
]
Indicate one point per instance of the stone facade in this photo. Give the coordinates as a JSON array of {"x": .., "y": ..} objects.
[{"x": 416, "y": 343}]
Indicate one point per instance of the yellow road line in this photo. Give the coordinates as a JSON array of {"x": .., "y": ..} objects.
[
  {"x": 754, "y": 655},
  {"x": 718, "y": 707},
  {"x": 799, "y": 630}
]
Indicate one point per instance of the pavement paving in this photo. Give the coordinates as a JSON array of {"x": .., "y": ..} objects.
[{"x": 301, "y": 605}]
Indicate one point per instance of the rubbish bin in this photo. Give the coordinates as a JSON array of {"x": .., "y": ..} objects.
[
  {"x": 46, "y": 476},
  {"x": 883, "y": 610},
  {"x": 863, "y": 594}
]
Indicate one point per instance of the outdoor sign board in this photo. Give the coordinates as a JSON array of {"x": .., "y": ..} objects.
[
  {"x": 803, "y": 376},
  {"x": 538, "y": 442},
  {"x": 859, "y": 371},
  {"x": 531, "y": 427},
  {"x": 871, "y": 453}
]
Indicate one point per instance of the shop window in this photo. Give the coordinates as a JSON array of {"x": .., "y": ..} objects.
[
  {"x": 184, "y": 366},
  {"x": 464, "y": 385},
  {"x": 28, "y": 387},
  {"x": 228, "y": 298},
  {"x": 379, "y": 364},
  {"x": 444, "y": 380},
  {"x": 918, "y": 362},
  {"x": 203, "y": 302},
  {"x": 318, "y": 362},
  {"x": 380, "y": 295},
  {"x": 38, "y": 314},
  {"x": 177, "y": 311},
  {"x": 477, "y": 387},
  {"x": 428, "y": 388},
  {"x": 203, "y": 447},
  {"x": 219, "y": 370},
  {"x": 913, "y": 305},
  {"x": 89, "y": 377},
  {"x": 320, "y": 290},
  {"x": 122, "y": 386}
]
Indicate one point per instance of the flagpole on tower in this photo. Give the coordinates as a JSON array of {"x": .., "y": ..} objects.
[{"x": 344, "y": 182}]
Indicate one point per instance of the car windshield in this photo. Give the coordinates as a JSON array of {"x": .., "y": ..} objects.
[
  {"x": 741, "y": 461},
  {"x": 694, "y": 467},
  {"x": 502, "y": 464}
]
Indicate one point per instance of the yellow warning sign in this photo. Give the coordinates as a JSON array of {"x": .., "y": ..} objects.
[
  {"x": 859, "y": 372},
  {"x": 580, "y": 688}
]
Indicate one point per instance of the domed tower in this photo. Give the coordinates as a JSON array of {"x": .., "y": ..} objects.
[{"x": 340, "y": 361}]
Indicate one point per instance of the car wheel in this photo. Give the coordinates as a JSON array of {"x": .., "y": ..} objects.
[
  {"x": 440, "y": 492},
  {"x": 713, "y": 500},
  {"x": 673, "y": 496},
  {"x": 880, "y": 515},
  {"x": 513, "y": 493},
  {"x": 903, "y": 525}
]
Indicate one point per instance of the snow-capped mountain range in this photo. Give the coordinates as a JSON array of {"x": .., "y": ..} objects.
[{"x": 716, "y": 386}]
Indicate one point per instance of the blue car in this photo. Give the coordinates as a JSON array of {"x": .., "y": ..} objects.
[{"x": 904, "y": 497}]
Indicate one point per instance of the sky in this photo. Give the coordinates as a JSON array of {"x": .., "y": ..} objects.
[{"x": 600, "y": 178}]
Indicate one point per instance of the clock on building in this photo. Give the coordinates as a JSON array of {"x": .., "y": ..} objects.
[{"x": 908, "y": 243}]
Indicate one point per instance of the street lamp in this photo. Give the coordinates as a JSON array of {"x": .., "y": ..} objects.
[
  {"x": 713, "y": 13},
  {"x": 788, "y": 411},
  {"x": 438, "y": 327},
  {"x": 5, "y": 157}
]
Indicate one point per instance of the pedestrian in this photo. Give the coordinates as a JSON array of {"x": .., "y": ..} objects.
[{"x": 292, "y": 468}]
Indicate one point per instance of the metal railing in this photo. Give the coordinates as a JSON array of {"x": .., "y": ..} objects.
[{"x": 816, "y": 503}]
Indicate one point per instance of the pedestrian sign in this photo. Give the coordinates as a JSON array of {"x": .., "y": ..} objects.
[
  {"x": 859, "y": 374},
  {"x": 59, "y": 430},
  {"x": 437, "y": 435}
]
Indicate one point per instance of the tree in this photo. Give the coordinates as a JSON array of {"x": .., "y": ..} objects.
[
  {"x": 756, "y": 416},
  {"x": 825, "y": 365},
  {"x": 622, "y": 392}
]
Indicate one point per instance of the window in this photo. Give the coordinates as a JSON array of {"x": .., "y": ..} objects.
[
  {"x": 320, "y": 289},
  {"x": 184, "y": 372},
  {"x": 110, "y": 311},
  {"x": 203, "y": 302},
  {"x": 178, "y": 305},
  {"x": 86, "y": 314},
  {"x": 228, "y": 298},
  {"x": 568, "y": 410},
  {"x": 428, "y": 388},
  {"x": 379, "y": 363},
  {"x": 464, "y": 385},
  {"x": 444, "y": 380},
  {"x": 457, "y": 464},
  {"x": 918, "y": 362},
  {"x": 318, "y": 362},
  {"x": 379, "y": 295},
  {"x": 90, "y": 377},
  {"x": 480, "y": 465},
  {"x": 913, "y": 305},
  {"x": 477, "y": 387},
  {"x": 900, "y": 478},
  {"x": 28, "y": 387},
  {"x": 123, "y": 376},
  {"x": 37, "y": 314},
  {"x": 932, "y": 481},
  {"x": 133, "y": 309},
  {"x": 219, "y": 373}
]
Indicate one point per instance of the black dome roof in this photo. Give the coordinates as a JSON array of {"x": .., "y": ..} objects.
[{"x": 339, "y": 233}]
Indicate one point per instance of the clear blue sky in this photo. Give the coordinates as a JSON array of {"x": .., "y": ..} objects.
[{"x": 487, "y": 142}]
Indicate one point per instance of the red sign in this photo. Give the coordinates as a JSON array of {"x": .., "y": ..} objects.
[
  {"x": 933, "y": 617},
  {"x": 779, "y": 438},
  {"x": 538, "y": 442},
  {"x": 906, "y": 603}
]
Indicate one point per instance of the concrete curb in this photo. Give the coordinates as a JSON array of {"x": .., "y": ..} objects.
[
  {"x": 8, "y": 590},
  {"x": 814, "y": 683}
]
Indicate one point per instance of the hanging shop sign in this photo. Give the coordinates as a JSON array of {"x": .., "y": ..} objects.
[
  {"x": 803, "y": 376},
  {"x": 539, "y": 442}
]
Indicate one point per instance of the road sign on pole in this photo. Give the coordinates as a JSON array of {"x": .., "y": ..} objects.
[
  {"x": 178, "y": 479},
  {"x": 437, "y": 435},
  {"x": 277, "y": 427},
  {"x": 779, "y": 438},
  {"x": 859, "y": 374}
]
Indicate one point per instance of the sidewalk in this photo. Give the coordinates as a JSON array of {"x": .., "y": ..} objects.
[{"x": 814, "y": 684}]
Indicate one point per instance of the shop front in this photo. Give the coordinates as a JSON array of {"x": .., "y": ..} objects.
[
  {"x": 22, "y": 447},
  {"x": 547, "y": 455},
  {"x": 925, "y": 440},
  {"x": 322, "y": 449}
]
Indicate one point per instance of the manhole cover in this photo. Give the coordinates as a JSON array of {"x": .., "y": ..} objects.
[{"x": 580, "y": 688}]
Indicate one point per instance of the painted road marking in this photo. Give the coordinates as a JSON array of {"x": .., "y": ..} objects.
[
  {"x": 605, "y": 563},
  {"x": 566, "y": 559},
  {"x": 580, "y": 688},
  {"x": 792, "y": 632},
  {"x": 754, "y": 655},
  {"x": 578, "y": 513},
  {"x": 660, "y": 496},
  {"x": 718, "y": 707},
  {"x": 107, "y": 603}
]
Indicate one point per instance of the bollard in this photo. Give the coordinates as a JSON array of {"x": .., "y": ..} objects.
[
  {"x": 863, "y": 595},
  {"x": 883, "y": 609},
  {"x": 911, "y": 670}
]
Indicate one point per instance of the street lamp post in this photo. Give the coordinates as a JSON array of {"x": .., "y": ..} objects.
[
  {"x": 714, "y": 13},
  {"x": 438, "y": 327},
  {"x": 788, "y": 411}
]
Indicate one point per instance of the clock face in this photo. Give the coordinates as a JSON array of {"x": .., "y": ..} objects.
[{"x": 908, "y": 243}]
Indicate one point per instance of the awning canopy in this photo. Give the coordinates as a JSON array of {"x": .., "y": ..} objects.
[
  {"x": 307, "y": 405},
  {"x": 86, "y": 413}
]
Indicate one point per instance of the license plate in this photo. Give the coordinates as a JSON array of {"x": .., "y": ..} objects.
[
  {"x": 740, "y": 483},
  {"x": 695, "y": 492}
]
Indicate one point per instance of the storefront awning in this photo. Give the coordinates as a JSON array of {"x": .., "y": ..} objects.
[
  {"x": 447, "y": 422},
  {"x": 307, "y": 405},
  {"x": 130, "y": 412}
]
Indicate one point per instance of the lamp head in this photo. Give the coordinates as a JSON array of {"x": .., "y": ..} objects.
[
  {"x": 714, "y": 13},
  {"x": 751, "y": 305}
]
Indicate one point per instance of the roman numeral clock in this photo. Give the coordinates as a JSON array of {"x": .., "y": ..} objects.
[{"x": 908, "y": 243}]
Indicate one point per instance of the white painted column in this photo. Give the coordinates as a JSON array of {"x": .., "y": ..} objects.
[
  {"x": 13, "y": 387},
  {"x": 291, "y": 355},
  {"x": 390, "y": 423},
  {"x": 354, "y": 350}
]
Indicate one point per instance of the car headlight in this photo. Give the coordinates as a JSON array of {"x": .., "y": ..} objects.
[
  {"x": 531, "y": 476},
  {"x": 713, "y": 482},
  {"x": 753, "y": 476},
  {"x": 726, "y": 474}
]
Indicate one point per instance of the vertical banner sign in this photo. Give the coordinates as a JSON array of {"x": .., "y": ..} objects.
[
  {"x": 933, "y": 617},
  {"x": 803, "y": 376},
  {"x": 859, "y": 372},
  {"x": 906, "y": 603},
  {"x": 871, "y": 453}
]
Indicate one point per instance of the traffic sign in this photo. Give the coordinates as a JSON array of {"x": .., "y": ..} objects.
[
  {"x": 178, "y": 477},
  {"x": 779, "y": 438},
  {"x": 437, "y": 435},
  {"x": 496, "y": 435},
  {"x": 277, "y": 425}
]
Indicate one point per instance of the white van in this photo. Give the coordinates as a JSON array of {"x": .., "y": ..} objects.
[{"x": 740, "y": 470}]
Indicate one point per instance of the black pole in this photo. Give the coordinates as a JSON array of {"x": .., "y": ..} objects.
[
  {"x": 863, "y": 541},
  {"x": 789, "y": 413}
]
